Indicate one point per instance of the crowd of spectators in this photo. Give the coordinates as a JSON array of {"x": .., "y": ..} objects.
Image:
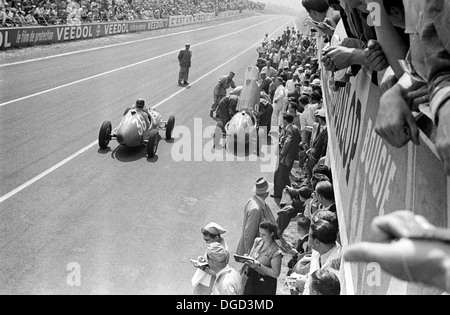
[
  {"x": 56, "y": 12},
  {"x": 412, "y": 31},
  {"x": 404, "y": 45},
  {"x": 291, "y": 93}
]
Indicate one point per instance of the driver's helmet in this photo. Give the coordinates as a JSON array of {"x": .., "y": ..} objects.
[{"x": 140, "y": 103}]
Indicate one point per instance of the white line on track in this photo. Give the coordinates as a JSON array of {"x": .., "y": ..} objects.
[
  {"x": 73, "y": 156},
  {"x": 120, "y": 44},
  {"x": 124, "y": 67}
]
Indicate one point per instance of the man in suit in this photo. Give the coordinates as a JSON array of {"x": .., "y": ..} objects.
[
  {"x": 289, "y": 149},
  {"x": 325, "y": 196},
  {"x": 326, "y": 253},
  {"x": 184, "y": 57},
  {"x": 265, "y": 113},
  {"x": 256, "y": 211},
  {"x": 319, "y": 143}
]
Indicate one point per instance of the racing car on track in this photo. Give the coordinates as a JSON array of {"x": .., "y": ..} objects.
[{"x": 133, "y": 130}]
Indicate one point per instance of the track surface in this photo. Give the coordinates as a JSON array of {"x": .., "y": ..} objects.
[{"x": 129, "y": 222}]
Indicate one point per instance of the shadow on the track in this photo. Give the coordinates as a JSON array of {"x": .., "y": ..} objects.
[
  {"x": 153, "y": 159},
  {"x": 126, "y": 154},
  {"x": 104, "y": 151}
]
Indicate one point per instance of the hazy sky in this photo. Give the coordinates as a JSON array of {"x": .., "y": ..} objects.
[{"x": 296, "y": 4}]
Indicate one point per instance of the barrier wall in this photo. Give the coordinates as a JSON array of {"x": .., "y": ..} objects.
[
  {"x": 16, "y": 37},
  {"x": 178, "y": 20},
  {"x": 29, "y": 36},
  {"x": 373, "y": 178}
]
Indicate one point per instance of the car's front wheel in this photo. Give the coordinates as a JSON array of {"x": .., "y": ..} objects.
[
  {"x": 104, "y": 135},
  {"x": 169, "y": 127}
]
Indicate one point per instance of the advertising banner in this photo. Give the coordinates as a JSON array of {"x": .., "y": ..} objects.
[
  {"x": 374, "y": 178},
  {"x": 29, "y": 36},
  {"x": 178, "y": 20}
]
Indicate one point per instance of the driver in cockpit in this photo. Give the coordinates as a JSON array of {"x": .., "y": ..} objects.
[{"x": 140, "y": 108}]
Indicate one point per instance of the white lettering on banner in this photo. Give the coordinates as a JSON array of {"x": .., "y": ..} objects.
[
  {"x": 43, "y": 36},
  {"x": 153, "y": 25},
  {"x": 378, "y": 165},
  {"x": 347, "y": 125},
  {"x": 4, "y": 40},
  {"x": 116, "y": 29},
  {"x": 73, "y": 32},
  {"x": 138, "y": 27}
]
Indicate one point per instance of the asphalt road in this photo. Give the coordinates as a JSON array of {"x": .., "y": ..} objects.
[{"x": 128, "y": 222}]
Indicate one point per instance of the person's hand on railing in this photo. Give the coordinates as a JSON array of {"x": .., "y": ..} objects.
[
  {"x": 395, "y": 122},
  {"x": 418, "y": 97},
  {"x": 343, "y": 57},
  {"x": 375, "y": 57},
  {"x": 404, "y": 257}
]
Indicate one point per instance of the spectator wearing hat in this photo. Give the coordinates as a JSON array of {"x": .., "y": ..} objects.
[
  {"x": 184, "y": 58},
  {"x": 316, "y": 82},
  {"x": 289, "y": 149},
  {"x": 212, "y": 233},
  {"x": 227, "y": 280},
  {"x": 220, "y": 90},
  {"x": 256, "y": 211},
  {"x": 265, "y": 267}
]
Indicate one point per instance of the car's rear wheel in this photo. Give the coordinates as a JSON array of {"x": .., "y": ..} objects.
[
  {"x": 169, "y": 127},
  {"x": 104, "y": 135},
  {"x": 152, "y": 144}
]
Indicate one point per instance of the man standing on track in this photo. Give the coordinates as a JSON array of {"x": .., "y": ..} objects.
[{"x": 184, "y": 57}]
